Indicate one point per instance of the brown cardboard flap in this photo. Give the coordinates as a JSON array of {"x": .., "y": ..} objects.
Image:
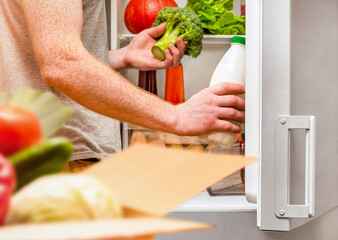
[
  {"x": 131, "y": 228},
  {"x": 155, "y": 180}
]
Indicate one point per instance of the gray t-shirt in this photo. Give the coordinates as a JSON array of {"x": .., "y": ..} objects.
[{"x": 93, "y": 135}]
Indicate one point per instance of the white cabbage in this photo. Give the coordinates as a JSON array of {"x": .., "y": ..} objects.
[{"x": 63, "y": 197}]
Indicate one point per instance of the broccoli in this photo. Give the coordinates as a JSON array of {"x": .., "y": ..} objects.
[{"x": 181, "y": 22}]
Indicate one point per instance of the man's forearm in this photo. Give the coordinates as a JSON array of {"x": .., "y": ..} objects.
[{"x": 101, "y": 89}]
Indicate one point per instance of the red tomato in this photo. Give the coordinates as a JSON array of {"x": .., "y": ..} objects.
[
  {"x": 141, "y": 14},
  {"x": 19, "y": 128}
]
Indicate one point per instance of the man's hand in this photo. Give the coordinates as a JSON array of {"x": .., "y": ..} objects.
[
  {"x": 212, "y": 109},
  {"x": 138, "y": 53}
]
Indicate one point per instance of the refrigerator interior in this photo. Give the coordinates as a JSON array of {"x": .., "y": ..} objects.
[{"x": 197, "y": 74}]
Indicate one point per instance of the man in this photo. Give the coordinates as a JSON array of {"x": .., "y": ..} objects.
[{"x": 61, "y": 46}]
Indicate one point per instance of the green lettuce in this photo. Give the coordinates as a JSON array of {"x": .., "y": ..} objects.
[{"x": 216, "y": 17}]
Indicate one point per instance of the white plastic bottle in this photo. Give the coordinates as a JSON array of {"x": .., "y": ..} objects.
[{"x": 231, "y": 68}]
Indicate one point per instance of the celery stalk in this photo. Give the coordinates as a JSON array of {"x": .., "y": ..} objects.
[
  {"x": 45, "y": 104},
  {"x": 23, "y": 96},
  {"x": 51, "y": 123}
]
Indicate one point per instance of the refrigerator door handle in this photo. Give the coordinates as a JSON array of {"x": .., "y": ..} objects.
[{"x": 284, "y": 123}]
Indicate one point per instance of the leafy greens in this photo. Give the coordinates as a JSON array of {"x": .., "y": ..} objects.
[{"x": 216, "y": 17}]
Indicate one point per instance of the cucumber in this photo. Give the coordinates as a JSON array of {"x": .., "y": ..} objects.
[{"x": 44, "y": 158}]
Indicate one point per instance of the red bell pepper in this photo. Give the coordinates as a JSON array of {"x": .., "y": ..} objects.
[{"x": 7, "y": 185}]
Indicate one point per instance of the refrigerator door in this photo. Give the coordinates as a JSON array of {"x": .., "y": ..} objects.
[{"x": 299, "y": 167}]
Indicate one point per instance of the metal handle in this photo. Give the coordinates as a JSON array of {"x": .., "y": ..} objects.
[{"x": 282, "y": 207}]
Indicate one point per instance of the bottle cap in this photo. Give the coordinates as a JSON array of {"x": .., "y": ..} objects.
[{"x": 238, "y": 39}]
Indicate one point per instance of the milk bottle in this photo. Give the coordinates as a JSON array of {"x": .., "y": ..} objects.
[{"x": 231, "y": 68}]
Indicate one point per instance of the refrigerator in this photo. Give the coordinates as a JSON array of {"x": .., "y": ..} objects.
[{"x": 291, "y": 121}]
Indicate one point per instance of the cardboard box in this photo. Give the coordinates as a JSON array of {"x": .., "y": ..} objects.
[{"x": 149, "y": 182}]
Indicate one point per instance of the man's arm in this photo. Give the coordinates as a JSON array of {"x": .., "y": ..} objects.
[{"x": 55, "y": 30}]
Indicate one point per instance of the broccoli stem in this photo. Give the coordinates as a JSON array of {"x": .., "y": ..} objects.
[{"x": 170, "y": 36}]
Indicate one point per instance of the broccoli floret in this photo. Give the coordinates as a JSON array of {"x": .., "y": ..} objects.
[{"x": 181, "y": 22}]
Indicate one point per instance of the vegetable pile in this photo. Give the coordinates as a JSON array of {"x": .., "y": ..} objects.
[
  {"x": 30, "y": 189},
  {"x": 180, "y": 22},
  {"x": 27, "y": 120},
  {"x": 216, "y": 17}
]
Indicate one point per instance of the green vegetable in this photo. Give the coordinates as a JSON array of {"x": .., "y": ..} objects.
[
  {"x": 63, "y": 197},
  {"x": 181, "y": 22},
  {"x": 47, "y": 157},
  {"x": 216, "y": 17}
]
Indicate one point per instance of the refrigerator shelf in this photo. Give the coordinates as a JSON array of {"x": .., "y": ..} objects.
[
  {"x": 132, "y": 134},
  {"x": 207, "y": 39},
  {"x": 204, "y": 202}
]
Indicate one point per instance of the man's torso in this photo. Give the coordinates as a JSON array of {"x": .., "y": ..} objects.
[{"x": 93, "y": 135}]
